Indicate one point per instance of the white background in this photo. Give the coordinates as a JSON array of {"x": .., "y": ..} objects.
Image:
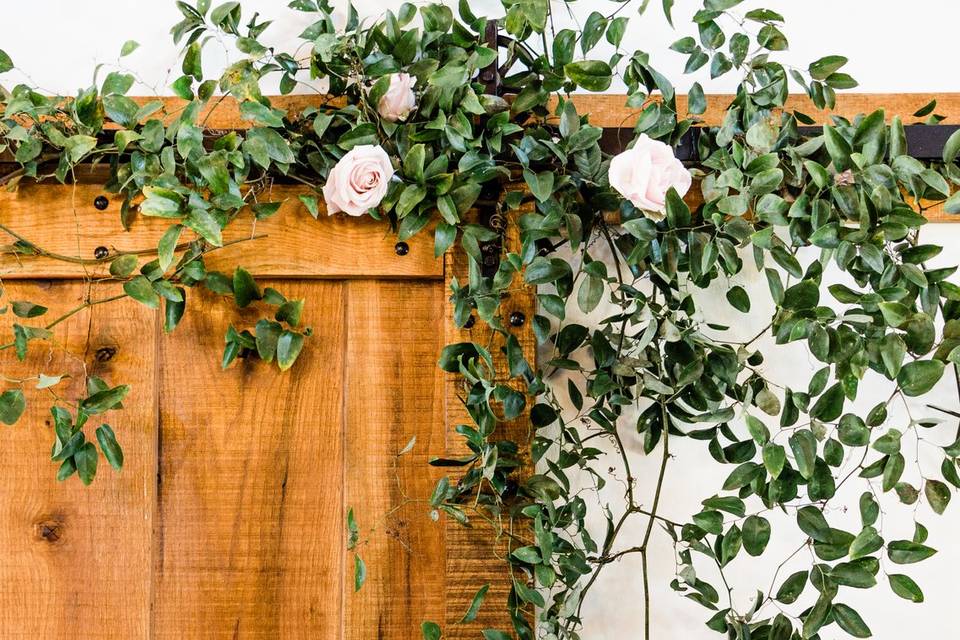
[{"x": 893, "y": 47}]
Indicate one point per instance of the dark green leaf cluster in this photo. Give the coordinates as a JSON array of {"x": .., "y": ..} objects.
[{"x": 849, "y": 199}]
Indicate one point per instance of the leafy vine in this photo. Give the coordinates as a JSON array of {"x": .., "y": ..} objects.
[{"x": 411, "y": 131}]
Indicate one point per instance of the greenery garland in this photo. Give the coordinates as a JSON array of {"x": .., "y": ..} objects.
[{"x": 412, "y": 136}]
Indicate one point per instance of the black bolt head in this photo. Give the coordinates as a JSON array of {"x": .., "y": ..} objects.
[
  {"x": 101, "y": 203},
  {"x": 402, "y": 248},
  {"x": 517, "y": 319},
  {"x": 470, "y": 322},
  {"x": 101, "y": 252}
]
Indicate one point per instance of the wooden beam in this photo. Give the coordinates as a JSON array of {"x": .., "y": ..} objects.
[
  {"x": 62, "y": 219},
  {"x": 610, "y": 110}
]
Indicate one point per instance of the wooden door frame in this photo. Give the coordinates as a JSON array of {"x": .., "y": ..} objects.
[
  {"x": 292, "y": 245},
  {"x": 295, "y": 246}
]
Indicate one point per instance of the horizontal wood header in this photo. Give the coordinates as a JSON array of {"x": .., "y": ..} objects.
[
  {"x": 610, "y": 110},
  {"x": 291, "y": 244}
]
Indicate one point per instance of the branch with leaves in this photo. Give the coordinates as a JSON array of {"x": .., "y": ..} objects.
[{"x": 413, "y": 133}]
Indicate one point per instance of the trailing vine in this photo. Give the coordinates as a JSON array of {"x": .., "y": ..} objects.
[{"x": 410, "y": 132}]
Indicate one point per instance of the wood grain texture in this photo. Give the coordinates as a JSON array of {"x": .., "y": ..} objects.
[
  {"x": 62, "y": 219},
  {"x": 394, "y": 392},
  {"x": 74, "y": 560},
  {"x": 609, "y": 110},
  {"x": 249, "y": 540}
]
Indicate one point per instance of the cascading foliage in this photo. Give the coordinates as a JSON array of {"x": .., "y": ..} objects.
[{"x": 849, "y": 197}]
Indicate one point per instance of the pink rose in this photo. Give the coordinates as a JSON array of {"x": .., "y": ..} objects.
[
  {"x": 399, "y": 100},
  {"x": 644, "y": 173},
  {"x": 359, "y": 181}
]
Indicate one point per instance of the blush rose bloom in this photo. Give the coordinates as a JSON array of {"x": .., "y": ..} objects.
[
  {"x": 644, "y": 173},
  {"x": 399, "y": 100},
  {"x": 359, "y": 181}
]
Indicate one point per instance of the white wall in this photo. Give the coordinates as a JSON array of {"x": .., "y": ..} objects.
[{"x": 893, "y": 47}]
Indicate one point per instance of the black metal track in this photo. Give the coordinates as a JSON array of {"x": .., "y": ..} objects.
[{"x": 924, "y": 142}]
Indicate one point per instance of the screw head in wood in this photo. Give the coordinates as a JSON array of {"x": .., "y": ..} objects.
[
  {"x": 517, "y": 319},
  {"x": 101, "y": 252},
  {"x": 101, "y": 203},
  {"x": 402, "y": 248}
]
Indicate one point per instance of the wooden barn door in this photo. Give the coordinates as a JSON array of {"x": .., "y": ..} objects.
[{"x": 228, "y": 519}]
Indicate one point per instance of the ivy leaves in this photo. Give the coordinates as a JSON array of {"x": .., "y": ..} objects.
[
  {"x": 6, "y": 64},
  {"x": 71, "y": 448}
]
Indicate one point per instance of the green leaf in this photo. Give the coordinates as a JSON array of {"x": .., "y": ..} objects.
[
  {"x": 78, "y": 146},
  {"x": 109, "y": 446},
  {"x": 905, "y": 587},
  {"x": 288, "y": 348},
  {"x": 24, "y": 309},
  {"x": 265, "y": 144},
  {"x": 430, "y": 630},
  {"x": 123, "y": 266},
  {"x": 261, "y": 114},
  {"x": 803, "y": 295},
  {"x": 774, "y": 457},
  {"x": 474, "y": 607},
  {"x": 205, "y": 225},
  {"x": 162, "y": 203},
  {"x": 245, "y": 289},
  {"x": 829, "y": 406},
  {"x": 12, "y": 406},
  {"x": 850, "y": 621},
  {"x": 192, "y": 61},
  {"x": 738, "y": 298},
  {"x": 592, "y": 75},
  {"x": 825, "y": 66},
  {"x": 86, "y": 460},
  {"x": 413, "y": 162},
  {"x": 866, "y": 542},
  {"x": 541, "y": 184},
  {"x": 140, "y": 289},
  {"x": 853, "y": 574},
  {"x": 838, "y": 148},
  {"x": 590, "y": 293},
  {"x": 696, "y": 100},
  {"x": 918, "y": 377},
  {"x": 908, "y": 552},
  {"x": 756, "y": 534},
  {"x": 183, "y": 87},
  {"x": 804, "y": 447},
  {"x": 129, "y": 47},
  {"x": 173, "y": 311},
  {"x": 166, "y": 247},
  {"x": 792, "y": 587},
  {"x": 667, "y": 11},
  {"x": 359, "y": 572},
  {"x": 817, "y": 616},
  {"x": 290, "y": 312},
  {"x": 951, "y": 147},
  {"x": 938, "y": 495},
  {"x": 6, "y": 64},
  {"x": 105, "y": 399},
  {"x": 811, "y": 522}
]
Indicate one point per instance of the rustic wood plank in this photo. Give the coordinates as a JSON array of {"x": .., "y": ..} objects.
[
  {"x": 609, "y": 110},
  {"x": 76, "y": 560},
  {"x": 62, "y": 219},
  {"x": 250, "y": 533},
  {"x": 474, "y": 557},
  {"x": 394, "y": 392}
]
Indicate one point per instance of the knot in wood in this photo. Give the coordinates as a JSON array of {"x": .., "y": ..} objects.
[
  {"x": 104, "y": 354},
  {"x": 50, "y": 530}
]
